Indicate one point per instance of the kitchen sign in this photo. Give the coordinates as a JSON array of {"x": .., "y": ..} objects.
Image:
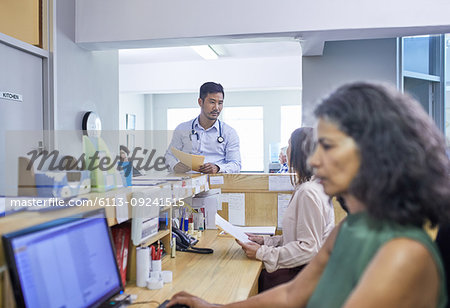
[{"x": 11, "y": 96}]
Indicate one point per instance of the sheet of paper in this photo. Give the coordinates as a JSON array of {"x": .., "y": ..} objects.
[
  {"x": 190, "y": 160},
  {"x": 236, "y": 209},
  {"x": 283, "y": 202},
  {"x": 230, "y": 229},
  {"x": 259, "y": 230},
  {"x": 216, "y": 180},
  {"x": 122, "y": 210},
  {"x": 146, "y": 182},
  {"x": 210, "y": 192},
  {"x": 280, "y": 183},
  {"x": 224, "y": 197}
]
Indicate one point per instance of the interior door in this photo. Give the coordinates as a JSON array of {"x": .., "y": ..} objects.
[{"x": 21, "y": 122}]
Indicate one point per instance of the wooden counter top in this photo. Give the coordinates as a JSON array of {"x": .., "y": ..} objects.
[{"x": 225, "y": 276}]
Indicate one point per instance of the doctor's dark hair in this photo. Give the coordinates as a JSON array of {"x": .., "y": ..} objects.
[
  {"x": 302, "y": 146},
  {"x": 125, "y": 149},
  {"x": 210, "y": 87},
  {"x": 404, "y": 171}
]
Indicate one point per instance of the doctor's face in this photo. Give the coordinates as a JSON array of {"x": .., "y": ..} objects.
[
  {"x": 336, "y": 159},
  {"x": 211, "y": 106}
]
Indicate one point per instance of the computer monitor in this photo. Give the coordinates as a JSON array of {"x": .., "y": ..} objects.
[{"x": 68, "y": 262}]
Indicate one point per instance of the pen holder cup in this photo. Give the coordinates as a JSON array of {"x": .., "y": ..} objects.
[
  {"x": 154, "y": 284},
  {"x": 166, "y": 276},
  {"x": 156, "y": 265},
  {"x": 156, "y": 275}
]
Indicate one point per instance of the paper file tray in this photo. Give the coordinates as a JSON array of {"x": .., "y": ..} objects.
[{"x": 146, "y": 205}]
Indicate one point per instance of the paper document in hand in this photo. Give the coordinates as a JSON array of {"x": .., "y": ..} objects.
[
  {"x": 230, "y": 229},
  {"x": 190, "y": 160},
  {"x": 258, "y": 230}
]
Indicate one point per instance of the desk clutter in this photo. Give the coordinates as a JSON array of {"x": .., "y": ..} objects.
[
  {"x": 52, "y": 184},
  {"x": 149, "y": 271}
]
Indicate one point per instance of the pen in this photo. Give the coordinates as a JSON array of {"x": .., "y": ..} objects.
[
  {"x": 158, "y": 251},
  {"x": 153, "y": 252},
  {"x": 186, "y": 224}
]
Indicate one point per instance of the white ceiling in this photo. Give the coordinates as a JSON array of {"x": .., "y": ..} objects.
[{"x": 229, "y": 51}]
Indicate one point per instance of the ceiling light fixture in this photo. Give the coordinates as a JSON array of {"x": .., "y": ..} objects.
[{"x": 206, "y": 52}]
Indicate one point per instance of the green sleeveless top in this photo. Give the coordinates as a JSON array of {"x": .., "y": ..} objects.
[{"x": 357, "y": 242}]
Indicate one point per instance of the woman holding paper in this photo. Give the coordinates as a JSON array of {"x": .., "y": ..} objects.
[{"x": 307, "y": 222}]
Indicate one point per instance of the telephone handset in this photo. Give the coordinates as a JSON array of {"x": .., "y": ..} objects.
[{"x": 185, "y": 242}]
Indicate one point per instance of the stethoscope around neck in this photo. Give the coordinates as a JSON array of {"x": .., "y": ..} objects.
[{"x": 220, "y": 139}]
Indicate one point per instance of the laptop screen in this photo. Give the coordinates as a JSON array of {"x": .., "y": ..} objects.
[{"x": 69, "y": 262}]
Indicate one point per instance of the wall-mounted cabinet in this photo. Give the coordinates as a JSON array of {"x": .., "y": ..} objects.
[{"x": 22, "y": 20}]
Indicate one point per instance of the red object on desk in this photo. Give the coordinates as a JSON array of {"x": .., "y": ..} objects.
[
  {"x": 153, "y": 253},
  {"x": 156, "y": 253},
  {"x": 121, "y": 237}
]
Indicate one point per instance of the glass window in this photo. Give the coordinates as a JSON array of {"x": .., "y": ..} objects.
[
  {"x": 291, "y": 118},
  {"x": 176, "y": 116},
  {"x": 423, "y": 73},
  {"x": 420, "y": 54},
  {"x": 447, "y": 90},
  {"x": 248, "y": 122}
]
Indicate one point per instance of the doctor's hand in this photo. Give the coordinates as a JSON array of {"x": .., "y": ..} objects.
[
  {"x": 255, "y": 238},
  {"x": 249, "y": 248},
  {"x": 183, "y": 298},
  {"x": 181, "y": 168},
  {"x": 208, "y": 168}
]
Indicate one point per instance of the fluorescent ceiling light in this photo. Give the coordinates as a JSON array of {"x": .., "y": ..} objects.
[{"x": 205, "y": 51}]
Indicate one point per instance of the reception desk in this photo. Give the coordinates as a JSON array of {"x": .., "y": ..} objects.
[
  {"x": 225, "y": 276},
  {"x": 262, "y": 192}
]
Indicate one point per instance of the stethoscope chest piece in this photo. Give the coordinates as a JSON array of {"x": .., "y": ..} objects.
[
  {"x": 220, "y": 139},
  {"x": 193, "y": 133}
]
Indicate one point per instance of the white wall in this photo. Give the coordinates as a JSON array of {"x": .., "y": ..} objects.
[
  {"x": 85, "y": 81},
  {"x": 234, "y": 74},
  {"x": 346, "y": 61},
  {"x": 270, "y": 100},
  {"x": 134, "y": 104},
  {"x": 149, "y": 112},
  {"x": 103, "y": 24}
]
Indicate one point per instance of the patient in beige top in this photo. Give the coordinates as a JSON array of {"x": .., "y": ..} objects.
[{"x": 306, "y": 224}]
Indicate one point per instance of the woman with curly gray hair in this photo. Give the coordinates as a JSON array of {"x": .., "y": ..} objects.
[{"x": 383, "y": 155}]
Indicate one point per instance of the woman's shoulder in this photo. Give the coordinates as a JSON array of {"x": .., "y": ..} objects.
[
  {"x": 402, "y": 247},
  {"x": 404, "y": 269},
  {"x": 410, "y": 254},
  {"x": 311, "y": 190},
  {"x": 311, "y": 187}
]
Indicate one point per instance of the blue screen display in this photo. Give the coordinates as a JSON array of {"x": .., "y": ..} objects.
[{"x": 68, "y": 265}]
